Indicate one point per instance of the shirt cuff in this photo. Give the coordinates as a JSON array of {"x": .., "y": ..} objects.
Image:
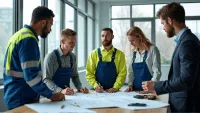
[
  {"x": 130, "y": 83},
  {"x": 116, "y": 87},
  {"x": 157, "y": 88},
  {"x": 154, "y": 79},
  {"x": 95, "y": 85},
  {"x": 58, "y": 89}
]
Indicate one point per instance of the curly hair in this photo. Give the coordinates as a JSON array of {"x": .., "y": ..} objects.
[{"x": 41, "y": 13}]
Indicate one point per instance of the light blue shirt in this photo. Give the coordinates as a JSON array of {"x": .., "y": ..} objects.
[{"x": 178, "y": 36}]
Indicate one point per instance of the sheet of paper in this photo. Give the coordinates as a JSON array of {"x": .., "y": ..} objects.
[
  {"x": 89, "y": 101},
  {"x": 55, "y": 107},
  {"x": 74, "y": 103},
  {"x": 123, "y": 101},
  {"x": 119, "y": 99},
  {"x": 105, "y": 94}
]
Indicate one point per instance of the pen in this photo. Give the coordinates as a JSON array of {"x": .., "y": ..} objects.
[
  {"x": 137, "y": 104},
  {"x": 75, "y": 104}
]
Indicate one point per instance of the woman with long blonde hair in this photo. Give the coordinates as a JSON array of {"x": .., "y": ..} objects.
[{"x": 146, "y": 60}]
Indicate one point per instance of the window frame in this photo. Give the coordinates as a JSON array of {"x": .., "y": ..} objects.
[
  {"x": 18, "y": 23},
  {"x": 147, "y": 19},
  {"x": 86, "y": 15},
  {"x": 15, "y": 22}
]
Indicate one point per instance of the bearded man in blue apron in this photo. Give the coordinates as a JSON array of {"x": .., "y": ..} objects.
[
  {"x": 61, "y": 65},
  {"x": 106, "y": 66}
]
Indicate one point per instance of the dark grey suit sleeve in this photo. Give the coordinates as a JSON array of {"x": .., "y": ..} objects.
[{"x": 189, "y": 64}]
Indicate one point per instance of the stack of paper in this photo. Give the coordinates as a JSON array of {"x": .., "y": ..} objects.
[
  {"x": 79, "y": 102},
  {"x": 56, "y": 107}
]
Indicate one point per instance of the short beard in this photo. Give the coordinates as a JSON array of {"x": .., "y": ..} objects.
[
  {"x": 44, "y": 32},
  {"x": 171, "y": 32},
  {"x": 107, "y": 44}
]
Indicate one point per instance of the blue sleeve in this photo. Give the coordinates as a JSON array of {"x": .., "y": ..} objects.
[{"x": 29, "y": 53}]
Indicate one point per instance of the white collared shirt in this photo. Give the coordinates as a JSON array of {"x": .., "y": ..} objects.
[{"x": 153, "y": 63}]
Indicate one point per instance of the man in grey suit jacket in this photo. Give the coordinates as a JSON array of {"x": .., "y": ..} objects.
[{"x": 183, "y": 84}]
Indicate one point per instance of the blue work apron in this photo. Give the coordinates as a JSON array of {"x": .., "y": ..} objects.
[
  {"x": 141, "y": 73},
  {"x": 106, "y": 72},
  {"x": 62, "y": 75}
]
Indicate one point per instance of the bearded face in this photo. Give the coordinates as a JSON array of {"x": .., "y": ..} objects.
[
  {"x": 170, "y": 31},
  {"x": 45, "y": 32},
  {"x": 107, "y": 42},
  {"x": 106, "y": 38},
  {"x": 168, "y": 28},
  {"x": 47, "y": 28}
]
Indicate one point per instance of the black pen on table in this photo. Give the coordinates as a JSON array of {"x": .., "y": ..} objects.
[{"x": 137, "y": 104}]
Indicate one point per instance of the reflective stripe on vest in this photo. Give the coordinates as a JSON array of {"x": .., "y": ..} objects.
[
  {"x": 14, "y": 73},
  {"x": 29, "y": 64},
  {"x": 22, "y": 34},
  {"x": 36, "y": 80}
]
